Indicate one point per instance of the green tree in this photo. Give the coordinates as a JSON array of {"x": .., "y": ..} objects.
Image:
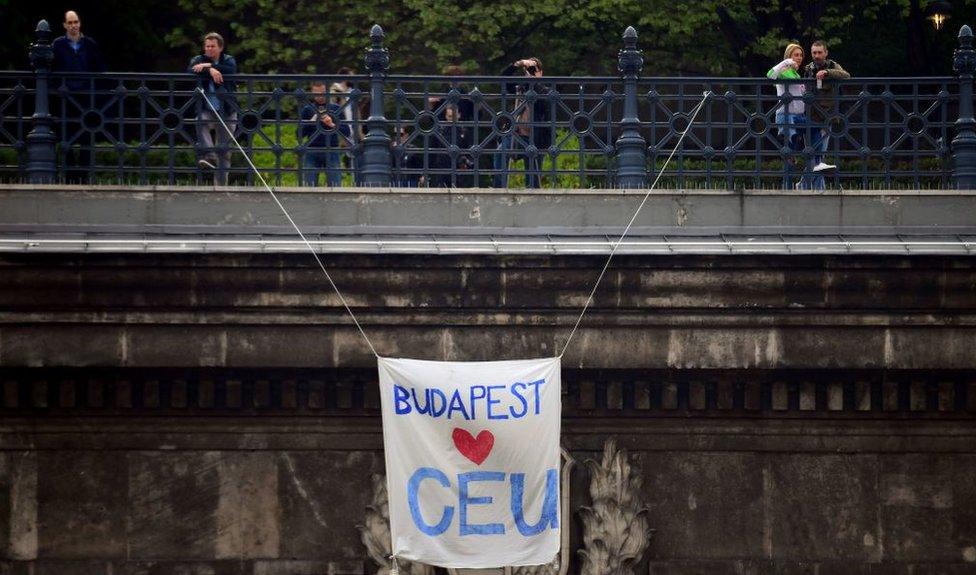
[
  {"x": 297, "y": 36},
  {"x": 679, "y": 37},
  {"x": 685, "y": 37}
]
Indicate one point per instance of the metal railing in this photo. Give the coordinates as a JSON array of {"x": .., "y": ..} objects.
[{"x": 487, "y": 131}]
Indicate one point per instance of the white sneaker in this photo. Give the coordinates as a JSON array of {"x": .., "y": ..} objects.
[{"x": 822, "y": 167}]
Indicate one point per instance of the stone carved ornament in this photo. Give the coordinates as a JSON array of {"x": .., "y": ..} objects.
[
  {"x": 375, "y": 533},
  {"x": 615, "y": 532}
]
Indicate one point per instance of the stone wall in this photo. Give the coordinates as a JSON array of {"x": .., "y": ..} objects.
[
  {"x": 652, "y": 312},
  {"x": 269, "y": 493},
  {"x": 167, "y": 414}
]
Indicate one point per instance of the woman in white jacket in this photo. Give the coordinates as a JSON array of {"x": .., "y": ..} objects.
[{"x": 791, "y": 119}]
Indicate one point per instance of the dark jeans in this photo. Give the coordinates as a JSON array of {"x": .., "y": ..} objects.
[
  {"x": 78, "y": 164},
  {"x": 794, "y": 129},
  {"x": 505, "y": 152},
  {"x": 75, "y": 141},
  {"x": 318, "y": 161},
  {"x": 819, "y": 139}
]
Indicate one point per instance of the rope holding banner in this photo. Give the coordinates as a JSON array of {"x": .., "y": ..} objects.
[
  {"x": 328, "y": 277},
  {"x": 616, "y": 244},
  {"x": 395, "y": 570},
  {"x": 290, "y": 220}
]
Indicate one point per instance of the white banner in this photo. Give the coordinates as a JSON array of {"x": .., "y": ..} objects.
[{"x": 472, "y": 460}]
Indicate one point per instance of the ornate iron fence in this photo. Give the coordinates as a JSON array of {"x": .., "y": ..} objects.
[
  {"x": 484, "y": 131},
  {"x": 882, "y": 132}
]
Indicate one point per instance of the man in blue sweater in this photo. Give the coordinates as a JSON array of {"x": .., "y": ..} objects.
[{"x": 75, "y": 52}]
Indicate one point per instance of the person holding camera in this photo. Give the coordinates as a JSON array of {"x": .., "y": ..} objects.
[
  {"x": 318, "y": 131},
  {"x": 531, "y": 136}
]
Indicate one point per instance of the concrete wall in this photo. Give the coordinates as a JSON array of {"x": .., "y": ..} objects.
[
  {"x": 466, "y": 211},
  {"x": 218, "y": 414},
  {"x": 280, "y": 494},
  {"x": 706, "y": 312}
]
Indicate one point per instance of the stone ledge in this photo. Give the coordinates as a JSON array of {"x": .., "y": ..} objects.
[
  {"x": 943, "y": 346},
  {"x": 543, "y": 211},
  {"x": 354, "y": 434}
]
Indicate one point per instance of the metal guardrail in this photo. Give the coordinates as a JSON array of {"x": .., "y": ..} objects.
[{"x": 486, "y": 131}]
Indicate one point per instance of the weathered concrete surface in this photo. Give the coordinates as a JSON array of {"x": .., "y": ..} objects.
[
  {"x": 215, "y": 414},
  {"x": 170, "y": 505},
  {"x": 687, "y": 506},
  {"x": 18, "y": 505},
  {"x": 700, "y": 312},
  {"x": 82, "y": 502},
  {"x": 932, "y": 344},
  {"x": 473, "y": 210},
  {"x": 811, "y": 513},
  {"x": 656, "y": 430},
  {"x": 212, "y": 507}
]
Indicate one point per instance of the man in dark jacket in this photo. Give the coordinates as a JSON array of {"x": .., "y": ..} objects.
[
  {"x": 450, "y": 171},
  {"x": 826, "y": 104},
  {"x": 75, "y": 52},
  {"x": 210, "y": 69},
  {"x": 531, "y": 132},
  {"x": 318, "y": 131}
]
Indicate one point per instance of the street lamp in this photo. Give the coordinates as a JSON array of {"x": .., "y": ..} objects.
[{"x": 938, "y": 12}]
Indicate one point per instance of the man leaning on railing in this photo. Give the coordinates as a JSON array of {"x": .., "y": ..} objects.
[
  {"x": 210, "y": 68},
  {"x": 825, "y": 106}
]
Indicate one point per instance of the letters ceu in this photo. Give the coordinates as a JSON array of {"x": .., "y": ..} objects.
[{"x": 548, "y": 519}]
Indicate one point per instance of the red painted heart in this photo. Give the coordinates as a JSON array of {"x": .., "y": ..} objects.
[{"x": 474, "y": 448}]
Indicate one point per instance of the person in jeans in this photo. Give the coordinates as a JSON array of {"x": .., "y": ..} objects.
[
  {"x": 530, "y": 127},
  {"x": 823, "y": 70},
  {"x": 317, "y": 130},
  {"x": 210, "y": 69},
  {"x": 791, "y": 120}
]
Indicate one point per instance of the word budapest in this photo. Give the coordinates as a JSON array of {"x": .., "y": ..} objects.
[
  {"x": 547, "y": 519},
  {"x": 498, "y": 401},
  {"x": 472, "y": 460}
]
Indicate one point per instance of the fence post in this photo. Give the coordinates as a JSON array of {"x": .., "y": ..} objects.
[
  {"x": 631, "y": 147},
  {"x": 377, "y": 170},
  {"x": 964, "y": 144},
  {"x": 41, "y": 160}
]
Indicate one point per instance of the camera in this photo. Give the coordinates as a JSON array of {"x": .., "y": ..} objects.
[{"x": 531, "y": 70}]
